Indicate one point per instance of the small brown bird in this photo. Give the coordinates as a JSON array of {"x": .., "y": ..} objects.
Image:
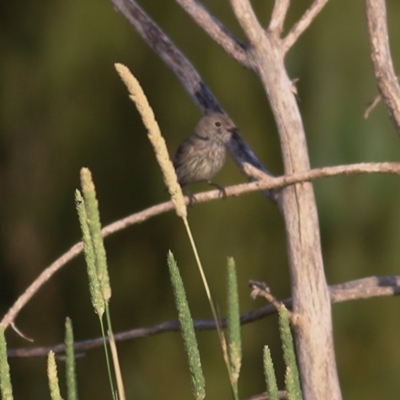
[{"x": 202, "y": 154}]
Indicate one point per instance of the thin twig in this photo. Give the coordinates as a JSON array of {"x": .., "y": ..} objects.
[
  {"x": 282, "y": 394},
  {"x": 216, "y": 30},
  {"x": 260, "y": 289},
  {"x": 381, "y": 58},
  {"x": 372, "y": 105},
  {"x": 305, "y": 21},
  {"x": 12, "y": 313},
  {"x": 278, "y": 16},
  {"x": 232, "y": 191},
  {"x": 17, "y": 330},
  {"x": 365, "y": 288},
  {"x": 264, "y": 181}
]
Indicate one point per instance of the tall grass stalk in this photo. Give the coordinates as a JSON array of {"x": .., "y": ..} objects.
[
  {"x": 70, "y": 368},
  {"x": 187, "y": 329},
  {"x": 99, "y": 281},
  {"x": 52, "y": 377},
  {"x": 5, "y": 379},
  {"x": 292, "y": 377},
  {"x": 233, "y": 321}
]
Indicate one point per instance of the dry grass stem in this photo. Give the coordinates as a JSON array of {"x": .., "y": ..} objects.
[{"x": 137, "y": 95}]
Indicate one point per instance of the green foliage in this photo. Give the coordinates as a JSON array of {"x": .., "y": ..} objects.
[
  {"x": 94, "y": 285},
  {"x": 233, "y": 317},
  {"x": 5, "y": 380},
  {"x": 187, "y": 329},
  {"x": 52, "y": 377},
  {"x": 96, "y": 260},
  {"x": 70, "y": 370},
  {"x": 94, "y": 225},
  {"x": 292, "y": 379},
  {"x": 270, "y": 377}
]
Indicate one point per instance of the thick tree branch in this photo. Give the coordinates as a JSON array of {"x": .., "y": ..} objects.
[
  {"x": 366, "y": 288},
  {"x": 303, "y": 24},
  {"x": 385, "y": 76},
  {"x": 248, "y": 20},
  {"x": 237, "y": 190},
  {"x": 311, "y": 305},
  {"x": 218, "y": 32},
  {"x": 170, "y": 54}
]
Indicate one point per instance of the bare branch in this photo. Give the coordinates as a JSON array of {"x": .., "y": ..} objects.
[
  {"x": 365, "y": 288},
  {"x": 385, "y": 76},
  {"x": 39, "y": 282},
  {"x": 232, "y": 191},
  {"x": 170, "y": 54},
  {"x": 20, "y": 333},
  {"x": 218, "y": 32},
  {"x": 282, "y": 394},
  {"x": 278, "y": 16},
  {"x": 392, "y": 168},
  {"x": 242, "y": 155},
  {"x": 372, "y": 105},
  {"x": 303, "y": 24},
  {"x": 248, "y": 20},
  {"x": 260, "y": 289}
]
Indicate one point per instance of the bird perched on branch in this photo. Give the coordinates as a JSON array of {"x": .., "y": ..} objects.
[{"x": 200, "y": 156}]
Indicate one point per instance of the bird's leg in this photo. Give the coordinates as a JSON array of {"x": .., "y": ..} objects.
[
  {"x": 219, "y": 187},
  {"x": 191, "y": 197}
]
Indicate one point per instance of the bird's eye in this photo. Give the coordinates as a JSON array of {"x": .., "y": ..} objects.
[{"x": 217, "y": 124}]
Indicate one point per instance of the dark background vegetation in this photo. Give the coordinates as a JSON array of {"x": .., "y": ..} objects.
[{"x": 62, "y": 106}]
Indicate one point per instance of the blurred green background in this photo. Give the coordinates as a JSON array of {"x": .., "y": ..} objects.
[{"x": 63, "y": 107}]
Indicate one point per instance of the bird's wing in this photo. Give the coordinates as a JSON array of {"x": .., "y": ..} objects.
[{"x": 185, "y": 151}]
